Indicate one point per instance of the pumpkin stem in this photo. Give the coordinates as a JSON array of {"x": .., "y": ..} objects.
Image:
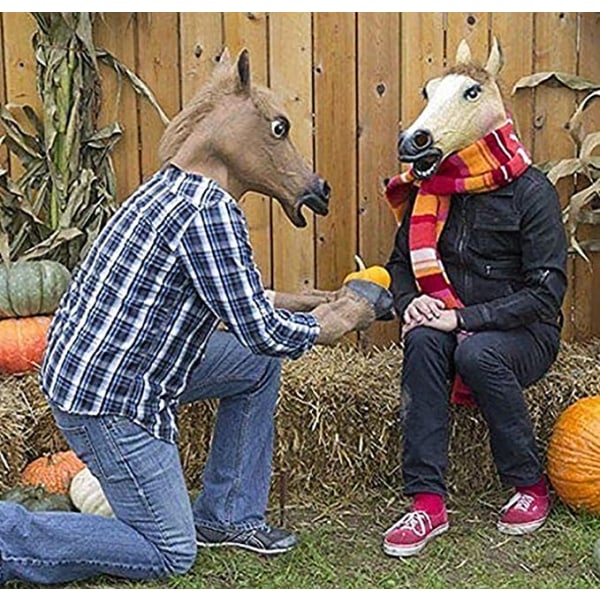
[{"x": 359, "y": 261}]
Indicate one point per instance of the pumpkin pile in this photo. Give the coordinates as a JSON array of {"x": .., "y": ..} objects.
[
  {"x": 574, "y": 455},
  {"x": 54, "y": 472},
  {"x": 59, "y": 482},
  {"x": 30, "y": 292}
]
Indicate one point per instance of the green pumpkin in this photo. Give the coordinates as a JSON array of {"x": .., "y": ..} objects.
[
  {"x": 31, "y": 288},
  {"x": 37, "y": 499}
]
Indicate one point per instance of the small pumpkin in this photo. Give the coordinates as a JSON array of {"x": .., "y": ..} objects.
[
  {"x": 87, "y": 495},
  {"x": 53, "y": 471},
  {"x": 376, "y": 274},
  {"x": 36, "y": 498},
  {"x": 31, "y": 288},
  {"x": 22, "y": 344},
  {"x": 574, "y": 455}
]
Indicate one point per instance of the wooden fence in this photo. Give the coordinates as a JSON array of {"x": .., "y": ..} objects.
[{"x": 347, "y": 81}]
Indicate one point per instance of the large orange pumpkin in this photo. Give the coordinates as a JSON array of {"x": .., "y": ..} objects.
[
  {"x": 54, "y": 471},
  {"x": 22, "y": 343},
  {"x": 574, "y": 455}
]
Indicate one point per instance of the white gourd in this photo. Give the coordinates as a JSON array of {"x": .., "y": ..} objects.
[{"x": 87, "y": 495}]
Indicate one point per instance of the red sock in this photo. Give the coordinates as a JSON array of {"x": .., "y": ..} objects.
[
  {"x": 537, "y": 489},
  {"x": 432, "y": 504}
]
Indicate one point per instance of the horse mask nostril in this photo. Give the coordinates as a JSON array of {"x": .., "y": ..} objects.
[
  {"x": 422, "y": 139},
  {"x": 325, "y": 190}
]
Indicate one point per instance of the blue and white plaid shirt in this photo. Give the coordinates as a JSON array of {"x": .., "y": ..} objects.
[{"x": 138, "y": 313}]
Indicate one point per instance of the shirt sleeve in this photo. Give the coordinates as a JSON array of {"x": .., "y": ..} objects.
[{"x": 216, "y": 253}]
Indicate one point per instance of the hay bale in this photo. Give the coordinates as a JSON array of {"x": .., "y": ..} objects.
[{"x": 339, "y": 429}]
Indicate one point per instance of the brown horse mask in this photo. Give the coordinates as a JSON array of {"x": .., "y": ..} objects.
[
  {"x": 463, "y": 106},
  {"x": 242, "y": 133}
]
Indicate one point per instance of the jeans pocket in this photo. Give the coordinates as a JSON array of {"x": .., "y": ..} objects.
[{"x": 78, "y": 438}]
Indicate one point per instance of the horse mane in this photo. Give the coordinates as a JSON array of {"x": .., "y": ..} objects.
[
  {"x": 182, "y": 124},
  {"x": 204, "y": 102}
]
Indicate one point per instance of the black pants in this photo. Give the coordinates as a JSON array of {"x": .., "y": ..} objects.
[{"x": 496, "y": 365}]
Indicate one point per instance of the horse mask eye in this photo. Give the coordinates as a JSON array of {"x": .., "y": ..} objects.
[
  {"x": 280, "y": 127},
  {"x": 472, "y": 93}
]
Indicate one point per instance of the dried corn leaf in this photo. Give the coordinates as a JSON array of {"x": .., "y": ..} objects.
[
  {"x": 575, "y": 124},
  {"x": 138, "y": 85},
  {"x": 565, "y": 168},
  {"x": 573, "y": 82},
  {"x": 51, "y": 243}
]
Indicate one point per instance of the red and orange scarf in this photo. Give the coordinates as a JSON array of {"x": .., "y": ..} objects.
[{"x": 488, "y": 164}]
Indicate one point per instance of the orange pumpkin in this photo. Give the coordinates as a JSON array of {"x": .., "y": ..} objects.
[
  {"x": 53, "y": 471},
  {"x": 574, "y": 455},
  {"x": 22, "y": 343},
  {"x": 377, "y": 274}
]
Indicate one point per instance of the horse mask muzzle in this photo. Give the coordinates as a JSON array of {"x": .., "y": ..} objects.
[
  {"x": 417, "y": 148},
  {"x": 316, "y": 197}
]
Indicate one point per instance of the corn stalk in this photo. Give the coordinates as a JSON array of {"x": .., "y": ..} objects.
[
  {"x": 67, "y": 190},
  {"x": 584, "y": 167}
]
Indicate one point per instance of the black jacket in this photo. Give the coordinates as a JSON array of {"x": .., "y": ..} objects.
[{"x": 504, "y": 251}]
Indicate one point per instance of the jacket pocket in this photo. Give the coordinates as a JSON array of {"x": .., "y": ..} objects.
[{"x": 496, "y": 229}]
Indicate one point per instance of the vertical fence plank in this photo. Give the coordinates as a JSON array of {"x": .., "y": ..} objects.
[
  {"x": 335, "y": 114},
  {"x": 588, "y": 281},
  {"x": 19, "y": 64},
  {"x": 249, "y": 30},
  {"x": 3, "y": 150},
  {"x": 378, "y": 115},
  {"x": 290, "y": 42},
  {"x": 473, "y": 27},
  {"x": 556, "y": 50},
  {"x": 422, "y": 39},
  {"x": 514, "y": 32},
  {"x": 116, "y": 33},
  {"x": 158, "y": 66},
  {"x": 201, "y": 39}
]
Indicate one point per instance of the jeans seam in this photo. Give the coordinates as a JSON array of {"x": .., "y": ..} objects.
[
  {"x": 238, "y": 459},
  {"x": 103, "y": 563},
  {"x": 247, "y": 526}
]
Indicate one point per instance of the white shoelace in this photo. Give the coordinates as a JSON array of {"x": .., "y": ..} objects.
[
  {"x": 416, "y": 521},
  {"x": 520, "y": 501}
]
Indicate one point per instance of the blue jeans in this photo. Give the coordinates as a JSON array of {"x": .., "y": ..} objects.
[
  {"x": 497, "y": 366},
  {"x": 153, "y": 534}
]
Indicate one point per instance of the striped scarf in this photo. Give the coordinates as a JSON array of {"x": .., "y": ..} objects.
[{"x": 488, "y": 164}]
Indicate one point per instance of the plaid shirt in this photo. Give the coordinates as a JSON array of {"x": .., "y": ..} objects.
[{"x": 138, "y": 313}]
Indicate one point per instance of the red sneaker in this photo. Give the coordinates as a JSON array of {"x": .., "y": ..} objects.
[
  {"x": 524, "y": 513},
  {"x": 411, "y": 533}
]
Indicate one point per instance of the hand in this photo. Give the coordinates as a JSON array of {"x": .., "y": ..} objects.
[
  {"x": 446, "y": 321},
  {"x": 423, "y": 308}
]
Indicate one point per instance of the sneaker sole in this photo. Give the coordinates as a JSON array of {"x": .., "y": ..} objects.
[
  {"x": 520, "y": 528},
  {"x": 243, "y": 547},
  {"x": 411, "y": 550}
]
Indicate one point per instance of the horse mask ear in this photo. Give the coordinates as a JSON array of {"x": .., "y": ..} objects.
[
  {"x": 463, "y": 53},
  {"x": 243, "y": 71},
  {"x": 495, "y": 60}
]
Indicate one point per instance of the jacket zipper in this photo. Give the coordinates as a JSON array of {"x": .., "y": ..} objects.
[{"x": 462, "y": 242}]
